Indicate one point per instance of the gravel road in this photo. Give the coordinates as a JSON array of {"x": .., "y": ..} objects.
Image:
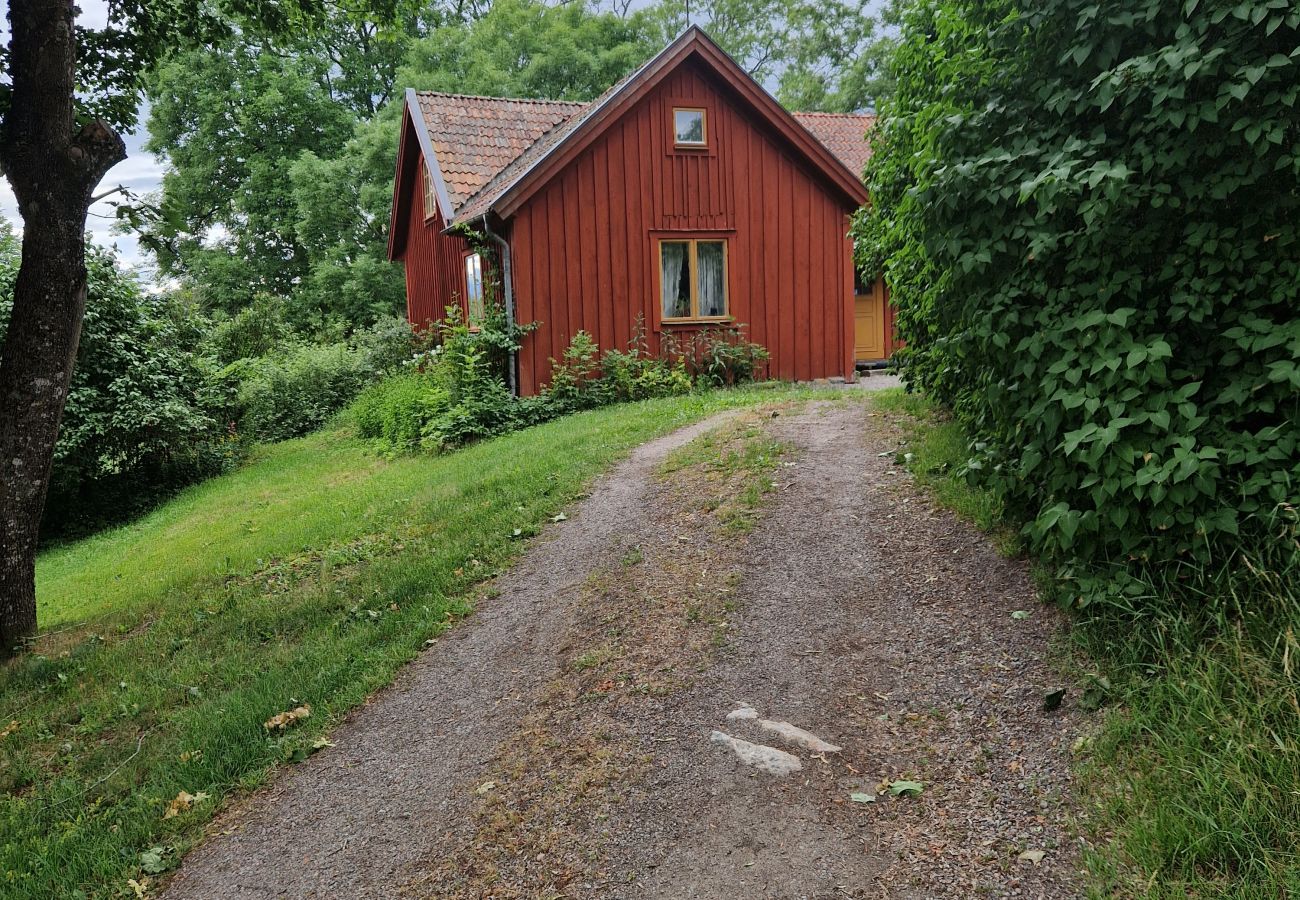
[{"x": 562, "y": 741}]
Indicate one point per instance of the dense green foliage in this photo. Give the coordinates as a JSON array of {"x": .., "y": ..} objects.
[
  {"x": 139, "y": 420},
  {"x": 455, "y": 393},
  {"x": 296, "y": 388},
  {"x": 307, "y": 576},
  {"x": 1089, "y": 219}
]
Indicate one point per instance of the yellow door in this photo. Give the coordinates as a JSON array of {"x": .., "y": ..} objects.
[{"x": 869, "y": 323}]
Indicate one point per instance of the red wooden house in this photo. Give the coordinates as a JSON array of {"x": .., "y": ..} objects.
[{"x": 685, "y": 194}]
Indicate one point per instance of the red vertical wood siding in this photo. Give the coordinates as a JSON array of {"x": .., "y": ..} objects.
[
  {"x": 435, "y": 273},
  {"x": 586, "y": 244}
]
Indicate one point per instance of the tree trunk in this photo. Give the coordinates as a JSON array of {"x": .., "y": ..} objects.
[{"x": 53, "y": 167}]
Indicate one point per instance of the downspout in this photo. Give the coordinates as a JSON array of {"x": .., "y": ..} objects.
[{"x": 510, "y": 296}]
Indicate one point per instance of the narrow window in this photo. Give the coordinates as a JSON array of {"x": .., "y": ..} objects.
[
  {"x": 474, "y": 288},
  {"x": 689, "y": 127},
  {"x": 426, "y": 185},
  {"x": 693, "y": 279}
]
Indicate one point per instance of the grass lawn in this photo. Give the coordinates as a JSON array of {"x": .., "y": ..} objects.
[
  {"x": 1191, "y": 783},
  {"x": 306, "y": 578}
]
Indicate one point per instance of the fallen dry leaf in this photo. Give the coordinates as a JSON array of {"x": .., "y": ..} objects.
[
  {"x": 183, "y": 801},
  {"x": 9, "y": 729},
  {"x": 283, "y": 720},
  {"x": 138, "y": 886},
  {"x": 485, "y": 787},
  {"x": 1033, "y": 856}
]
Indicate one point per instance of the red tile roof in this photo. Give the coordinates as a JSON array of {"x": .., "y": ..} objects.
[
  {"x": 484, "y": 143},
  {"x": 844, "y": 134},
  {"x": 476, "y": 137}
]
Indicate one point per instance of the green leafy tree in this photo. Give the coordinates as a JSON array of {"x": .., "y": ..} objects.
[
  {"x": 525, "y": 48},
  {"x": 231, "y": 121},
  {"x": 64, "y": 92},
  {"x": 821, "y": 55},
  {"x": 1090, "y": 217}
]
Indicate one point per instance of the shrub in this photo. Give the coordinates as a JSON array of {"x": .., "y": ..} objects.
[
  {"x": 396, "y": 411},
  {"x": 140, "y": 420},
  {"x": 572, "y": 379},
  {"x": 256, "y": 330},
  {"x": 719, "y": 356},
  {"x": 636, "y": 375},
  {"x": 1091, "y": 225},
  {"x": 468, "y": 368},
  {"x": 296, "y": 390},
  {"x": 458, "y": 394}
]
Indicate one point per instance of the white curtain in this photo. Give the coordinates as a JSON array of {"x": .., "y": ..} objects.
[
  {"x": 672, "y": 258},
  {"x": 708, "y": 261}
]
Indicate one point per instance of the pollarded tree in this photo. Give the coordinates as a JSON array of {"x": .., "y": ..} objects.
[{"x": 66, "y": 93}]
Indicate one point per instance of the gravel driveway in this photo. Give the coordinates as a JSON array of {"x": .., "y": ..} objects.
[{"x": 578, "y": 736}]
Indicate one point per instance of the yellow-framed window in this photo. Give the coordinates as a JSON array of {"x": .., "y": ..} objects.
[{"x": 693, "y": 279}]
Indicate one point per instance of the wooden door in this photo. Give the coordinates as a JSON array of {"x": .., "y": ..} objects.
[{"x": 869, "y": 323}]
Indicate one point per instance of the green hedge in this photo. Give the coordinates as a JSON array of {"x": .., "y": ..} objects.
[{"x": 1090, "y": 220}]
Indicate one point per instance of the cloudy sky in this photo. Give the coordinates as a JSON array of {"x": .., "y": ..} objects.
[{"x": 138, "y": 173}]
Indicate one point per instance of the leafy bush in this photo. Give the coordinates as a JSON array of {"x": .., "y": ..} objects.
[
  {"x": 458, "y": 394},
  {"x": 634, "y": 374},
  {"x": 1090, "y": 220},
  {"x": 139, "y": 421},
  {"x": 256, "y": 330},
  {"x": 395, "y": 412},
  {"x": 718, "y": 356},
  {"x": 299, "y": 387},
  {"x": 297, "y": 390}
]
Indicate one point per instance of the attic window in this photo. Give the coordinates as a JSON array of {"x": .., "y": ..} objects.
[
  {"x": 689, "y": 127},
  {"x": 426, "y": 187}
]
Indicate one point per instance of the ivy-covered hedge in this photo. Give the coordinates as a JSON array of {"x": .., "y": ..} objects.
[{"x": 1090, "y": 220}]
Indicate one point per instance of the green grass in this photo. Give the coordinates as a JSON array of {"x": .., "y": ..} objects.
[
  {"x": 743, "y": 453},
  {"x": 1190, "y": 781},
  {"x": 307, "y": 577}
]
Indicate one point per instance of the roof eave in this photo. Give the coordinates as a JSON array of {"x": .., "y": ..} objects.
[{"x": 430, "y": 155}]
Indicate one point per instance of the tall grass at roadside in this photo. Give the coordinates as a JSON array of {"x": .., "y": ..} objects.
[
  {"x": 1190, "y": 782},
  {"x": 1196, "y": 771},
  {"x": 306, "y": 578}
]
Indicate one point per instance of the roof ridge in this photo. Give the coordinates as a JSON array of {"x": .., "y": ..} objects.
[
  {"x": 838, "y": 115},
  {"x": 500, "y": 99}
]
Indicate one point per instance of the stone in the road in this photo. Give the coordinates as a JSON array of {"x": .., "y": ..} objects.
[
  {"x": 797, "y": 736},
  {"x": 743, "y": 713},
  {"x": 761, "y": 757}
]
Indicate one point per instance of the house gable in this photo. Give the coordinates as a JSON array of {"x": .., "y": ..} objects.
[{"x": 522, "y": 178}]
